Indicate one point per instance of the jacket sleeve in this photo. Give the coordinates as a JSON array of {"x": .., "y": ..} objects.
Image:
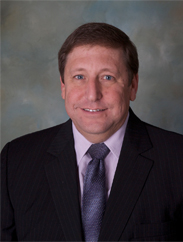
[{"x": 8, "y": 228}]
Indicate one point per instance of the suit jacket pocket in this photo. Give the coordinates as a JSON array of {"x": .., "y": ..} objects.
[{"x": 155, "y": 232}]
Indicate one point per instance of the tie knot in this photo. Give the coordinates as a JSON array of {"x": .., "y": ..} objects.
[{"x": 98, "y": 151}]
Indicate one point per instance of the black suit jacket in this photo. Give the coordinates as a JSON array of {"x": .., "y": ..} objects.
[{"x": 40, "y": 187}]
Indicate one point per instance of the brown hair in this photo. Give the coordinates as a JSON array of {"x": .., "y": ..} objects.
[{"x": 100, "y": 34}]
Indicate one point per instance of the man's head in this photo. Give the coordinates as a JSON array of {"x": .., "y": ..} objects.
[
  {"x": 98, "y": 66},
  {"x": 101, "y": 34}
]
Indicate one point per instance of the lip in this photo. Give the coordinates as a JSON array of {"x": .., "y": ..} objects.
[{"x": 94, "y": 110}]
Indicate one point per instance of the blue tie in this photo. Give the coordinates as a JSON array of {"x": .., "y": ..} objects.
[{"x": 94, "y": 192}]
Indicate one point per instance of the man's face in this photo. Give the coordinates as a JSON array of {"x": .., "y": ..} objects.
[{"x": 96, "y": 91}]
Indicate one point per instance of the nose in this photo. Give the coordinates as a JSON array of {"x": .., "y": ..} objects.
[{"x": 93, "y": 90}]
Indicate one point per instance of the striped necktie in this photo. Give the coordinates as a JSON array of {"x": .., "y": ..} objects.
[{"x": 94, "y": 192}]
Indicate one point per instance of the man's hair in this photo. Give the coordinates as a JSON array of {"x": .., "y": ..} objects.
[{"x": 104, "y": 35}]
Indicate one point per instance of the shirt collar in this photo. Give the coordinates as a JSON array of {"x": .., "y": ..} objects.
[
  {"x": 81, "y": 143},
  {"x": 114, "y": 142}
]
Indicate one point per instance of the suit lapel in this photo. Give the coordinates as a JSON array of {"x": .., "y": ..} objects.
[
  {"x": 131, "y": 174},
  {"x": 63, "y": 181}
]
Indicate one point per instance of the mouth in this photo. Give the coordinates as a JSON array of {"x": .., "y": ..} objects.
[{"x": 93, "y": 110}]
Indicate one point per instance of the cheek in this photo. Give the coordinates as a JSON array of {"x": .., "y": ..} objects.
[
  {"x": 116, "y": 97},
  {"x": 118, "y": 101},
  {"x": 73, "y": 95}
]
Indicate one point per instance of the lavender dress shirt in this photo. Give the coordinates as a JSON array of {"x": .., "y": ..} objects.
[{"x": 114, "y": 143}]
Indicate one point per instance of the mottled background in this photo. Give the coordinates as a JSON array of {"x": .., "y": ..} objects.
[{"x": 33, "y": 31}]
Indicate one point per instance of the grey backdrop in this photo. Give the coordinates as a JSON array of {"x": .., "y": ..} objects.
[{"x": 33, "y": 32}]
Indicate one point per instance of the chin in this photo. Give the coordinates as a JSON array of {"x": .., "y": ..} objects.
[{"x": 94, "y": 130}]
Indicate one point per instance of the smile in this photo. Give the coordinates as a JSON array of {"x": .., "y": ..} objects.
[{"x": 93, "y": 110}]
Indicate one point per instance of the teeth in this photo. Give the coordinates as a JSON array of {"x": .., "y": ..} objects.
[{"x": 93, "y": 110}]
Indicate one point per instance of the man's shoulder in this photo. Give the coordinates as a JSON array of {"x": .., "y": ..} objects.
[
  {"x": 154, "y": 132},
  {"x": 164, "y": 137},
  {"x": 38, "y": 138},
  {"x": 163, "y": 132}
]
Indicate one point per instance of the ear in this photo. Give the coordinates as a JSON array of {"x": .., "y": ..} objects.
[
  {"x": 134, "y": 87},
  {"x": 62, "y": 88}
]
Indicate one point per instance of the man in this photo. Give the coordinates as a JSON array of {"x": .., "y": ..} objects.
[{"x": 52, "y": 189}]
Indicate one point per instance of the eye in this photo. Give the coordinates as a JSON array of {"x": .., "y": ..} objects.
[
  {"x": 79, "y": 77},
  {"x": 108, "y": 77}
]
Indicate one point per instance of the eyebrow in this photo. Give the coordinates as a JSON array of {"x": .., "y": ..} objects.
[
  {"x": 106, "y": 69},
  {"x": 83, "y": 69},
  {"x": 77, "y": 69},
  {"x": 116, "y": 72}
]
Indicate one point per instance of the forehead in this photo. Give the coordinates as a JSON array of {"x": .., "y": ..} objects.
[
  {"x": 90, "y": 47},
  {"x": 98, "y": 53}
]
